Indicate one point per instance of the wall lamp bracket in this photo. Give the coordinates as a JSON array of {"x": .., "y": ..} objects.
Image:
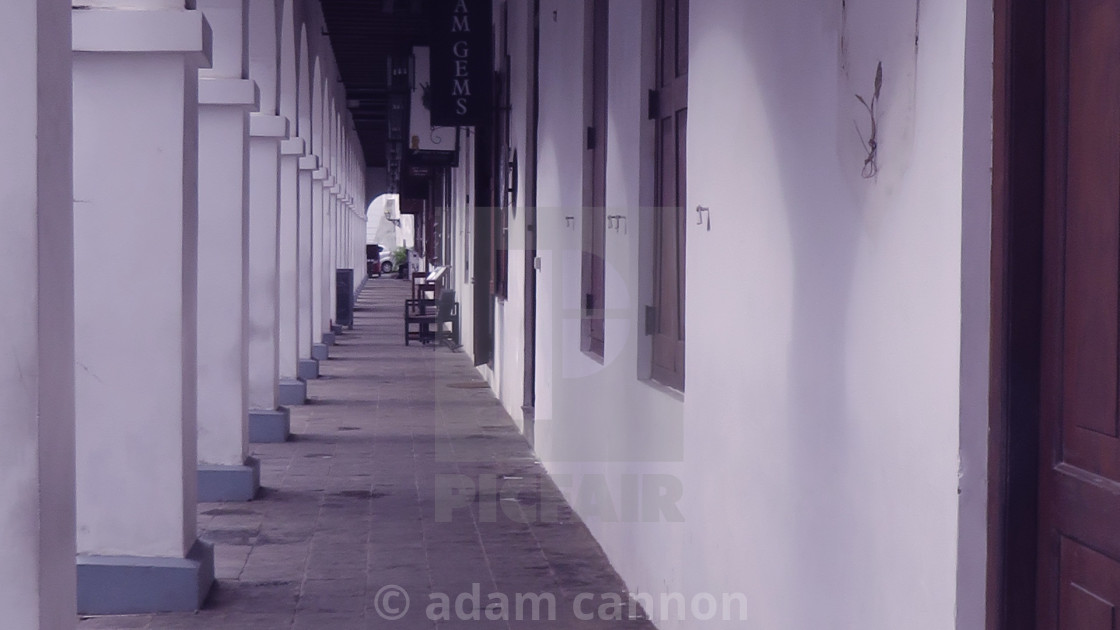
[
  {"x": 617, "y": 222},
  {"x": 704, "y": 215}
]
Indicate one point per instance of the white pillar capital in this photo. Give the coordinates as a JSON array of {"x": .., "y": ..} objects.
[
  {"x": 235, "y": 92},
  {"x": 292, "y": 147},
  {"x": 112, "y": 30},
  {"x": 268, "y": 126},
  {"x": 309, "y": 163}
]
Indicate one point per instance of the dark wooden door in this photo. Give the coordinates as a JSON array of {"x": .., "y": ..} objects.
[
  {"x": 1079, "y": 455},
  {"x": 669, "y": 245}
]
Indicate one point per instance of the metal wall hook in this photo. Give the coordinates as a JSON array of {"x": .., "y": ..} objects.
[
  {"x": 703, "y": 213},
  {"x": 570, "y": 221},
  {"x": 618, "y": 222}
]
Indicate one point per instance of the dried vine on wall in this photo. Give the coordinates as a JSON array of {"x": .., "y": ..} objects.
[{"x": 871, "y": 144}]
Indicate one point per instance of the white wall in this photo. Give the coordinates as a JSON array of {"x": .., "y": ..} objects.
[
  {"x": 598, "y": 425},
  {"x": 817, "y": 445},
  {"x": 839, "y": 397}
]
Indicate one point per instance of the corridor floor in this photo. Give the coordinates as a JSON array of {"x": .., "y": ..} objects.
[{"x": 374, "y": 499}]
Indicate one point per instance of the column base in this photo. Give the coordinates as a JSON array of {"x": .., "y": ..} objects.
[
  {"x": 308, "y": 369},
  {"x": 328, "y": 337},
  {"x": 229, "y": 483},
  {"x": 320, "y": 351},
  {"x": 123, "y": 585},
  {"x": 269, "y": 426},
  {"x": 293, "y": 391},
  {"x": 361, "y": 287}
]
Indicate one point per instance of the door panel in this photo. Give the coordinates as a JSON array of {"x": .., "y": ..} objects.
[
  {"x": 1089, "y": 595},
  {"x": 1079, "y": 480}
]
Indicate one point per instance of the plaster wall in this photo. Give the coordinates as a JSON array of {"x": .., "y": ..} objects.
[
  {"x": 37, "y": 527},
  {"x": 267, "y": 131},
  {"x": 817, "y": 448},
  {"x": 135, "y": 170},
  {"x": 600, "y": 426},
  {"x": 263, "y": 52},
  {"x": 319, "y": 325},
  {"x": 304, "y": 322},
  {"x": 264, "y": 280},
  {"x": 223, "y": 221},
  {"x": 223, "y": 351},
  {"x": 305, "y": 311},
  {"x": 228, "y": 26},
  {"x": 288, "y": 260},
  {"x": 136, "y": 4},
  {"x": 837, "y": 408}
]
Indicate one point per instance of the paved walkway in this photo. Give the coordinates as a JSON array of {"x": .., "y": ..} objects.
[{"x": 404, "y": 475}]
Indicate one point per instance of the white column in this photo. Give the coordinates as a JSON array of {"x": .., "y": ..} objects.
[
  {"x": 320, "y": 323},
  {"x": 331, "y": 204},
  {"x": 308, "y": 366},
  {"x": 36, "y": 320},
  {"x": 292, "y": 389},
  {"x": 332, "y": 255},
  {"x": 135, "y": 85},
  {"x": 359, "y": 270},
  {"x": 268, "y": 421},
  {"x": 225, "y": 97},
  {"x": 347, "y": 228}
]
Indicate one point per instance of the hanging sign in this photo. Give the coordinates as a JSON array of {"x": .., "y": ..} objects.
[
  {"x": 461, "y": 65},
  {"x": 428, "y": 144}
]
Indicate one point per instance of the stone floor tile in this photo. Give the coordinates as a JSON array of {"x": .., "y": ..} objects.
[{"x": 348, "y": 510}]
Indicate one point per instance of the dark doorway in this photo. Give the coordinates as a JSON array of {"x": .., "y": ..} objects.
[{"x": 529, "y": 400}]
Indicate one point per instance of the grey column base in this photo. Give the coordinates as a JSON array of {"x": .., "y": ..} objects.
[
  {"x": 229, "y": 483},
  {"x": 320, "y": 351},
  {"x": 308, "y": 369},
  {"x": 293, "y": 391},
  {"x": 123, "y": 585},
  {"x": 269, "y": 426},
  {"x": 328, "y": 337}
]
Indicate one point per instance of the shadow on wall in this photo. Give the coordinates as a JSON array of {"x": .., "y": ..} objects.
[
  {"x": 823, "y": 237},
  {"x": 828, "y": 204}
]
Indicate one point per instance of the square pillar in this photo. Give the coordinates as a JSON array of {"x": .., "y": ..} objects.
[
  {"x": 308, "y": 367},
  {"x": 135, "y": 87},
  {"x": 293, "y": 389},
  {"x": 225, "y": 97},
  {"x": 268, "y": 420},
  {"x": 330, "y": 251},
  {"x": 36, "y": 320},
  {"x": 319, "y": 284}
]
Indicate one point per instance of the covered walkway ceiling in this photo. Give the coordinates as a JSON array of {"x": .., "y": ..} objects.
[{"x": 365, "y": 35}]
